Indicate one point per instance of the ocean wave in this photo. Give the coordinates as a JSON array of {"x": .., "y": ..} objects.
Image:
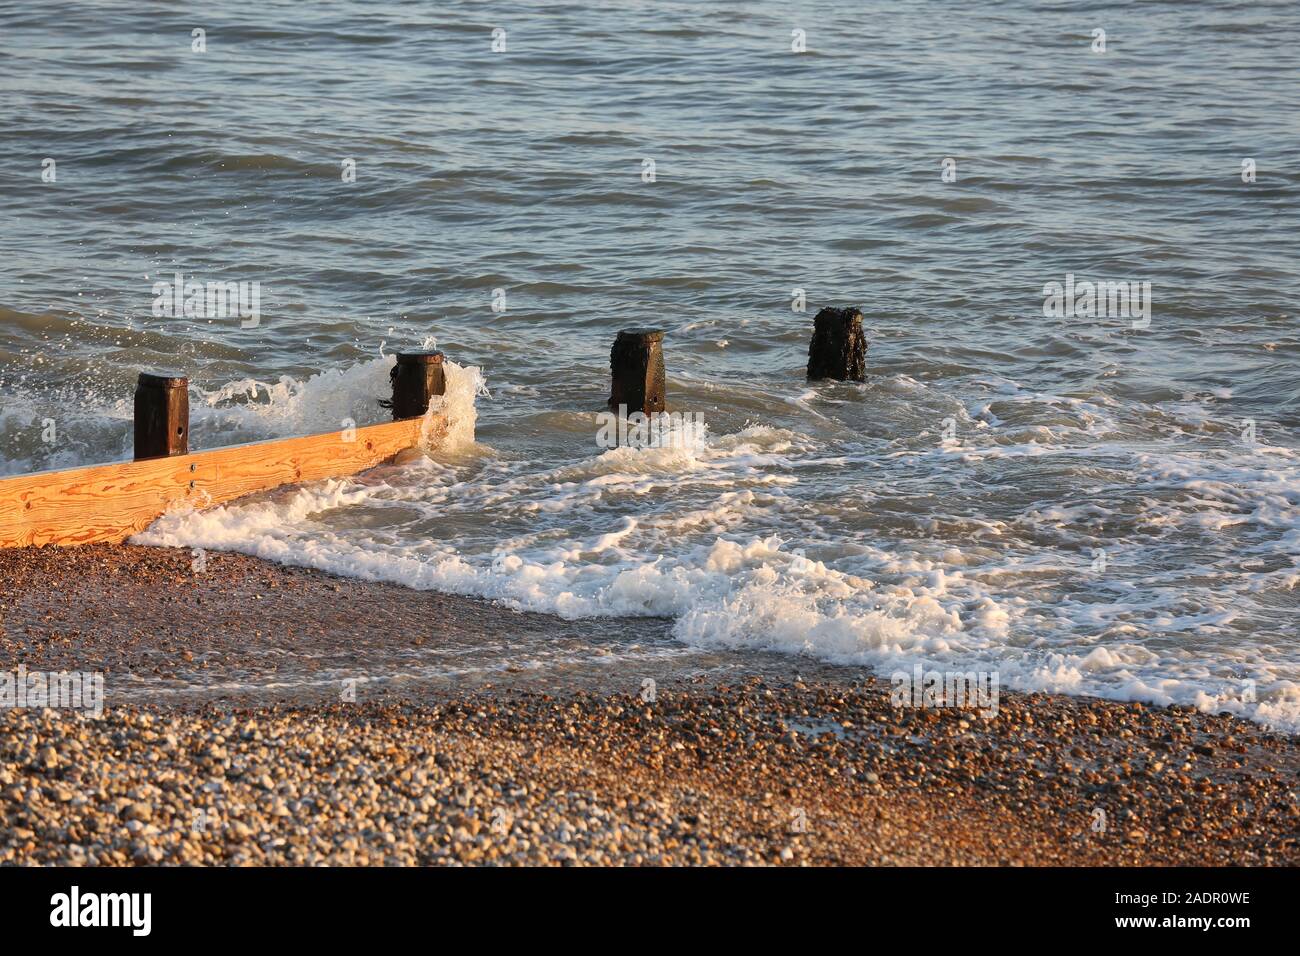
[{"x": 740, "y": 539}]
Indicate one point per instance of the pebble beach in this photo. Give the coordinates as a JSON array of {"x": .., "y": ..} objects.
[
  {"x": 627, "y": 435},
  {"x": 786, "y": 765}
]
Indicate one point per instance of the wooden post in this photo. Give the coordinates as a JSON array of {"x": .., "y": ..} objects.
[
  {"x": 417, "y": 377},
  {"x": 838, "y": 348},
  {"x": 636, "y": 365},
  {"x": 162, "y": 415}
]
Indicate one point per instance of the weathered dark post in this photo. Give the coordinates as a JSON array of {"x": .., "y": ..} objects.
[
  {"x": 162, "y": 415},
  {"x": 636, "y": 365},
  {"x": 838, "y": 348},
  {"x": 417, "y": 377}
]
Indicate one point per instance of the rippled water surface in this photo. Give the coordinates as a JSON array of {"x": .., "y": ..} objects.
[{"x": 1075, "y": 502}]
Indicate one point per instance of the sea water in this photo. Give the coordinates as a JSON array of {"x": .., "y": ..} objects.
[{"x": 1081, "y": 500}]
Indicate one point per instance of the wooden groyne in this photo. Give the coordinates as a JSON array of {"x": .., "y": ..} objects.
[{"x": 111, "y": 502}]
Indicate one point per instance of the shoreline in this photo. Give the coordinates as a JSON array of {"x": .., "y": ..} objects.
[{"x": 754, "y": 761}]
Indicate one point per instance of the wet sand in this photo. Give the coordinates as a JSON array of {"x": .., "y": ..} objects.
[{"x": 479, "y": 734}]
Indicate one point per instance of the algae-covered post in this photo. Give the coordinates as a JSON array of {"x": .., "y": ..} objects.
[
  {"x": 838, "y": 348},
  {"x": 636, "y": 366},
  {"x": 162, "y": 415},
  {"x": 417, "y": 377}
]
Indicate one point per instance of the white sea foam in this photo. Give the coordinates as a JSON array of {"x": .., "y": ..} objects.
[
  {"x": 250, "y": 409},
  {"x": 75, "y": 427},
  {"x": 766, "y": 539}
]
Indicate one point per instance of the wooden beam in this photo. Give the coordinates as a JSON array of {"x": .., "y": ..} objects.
[{"x": 113, "y": 502}]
